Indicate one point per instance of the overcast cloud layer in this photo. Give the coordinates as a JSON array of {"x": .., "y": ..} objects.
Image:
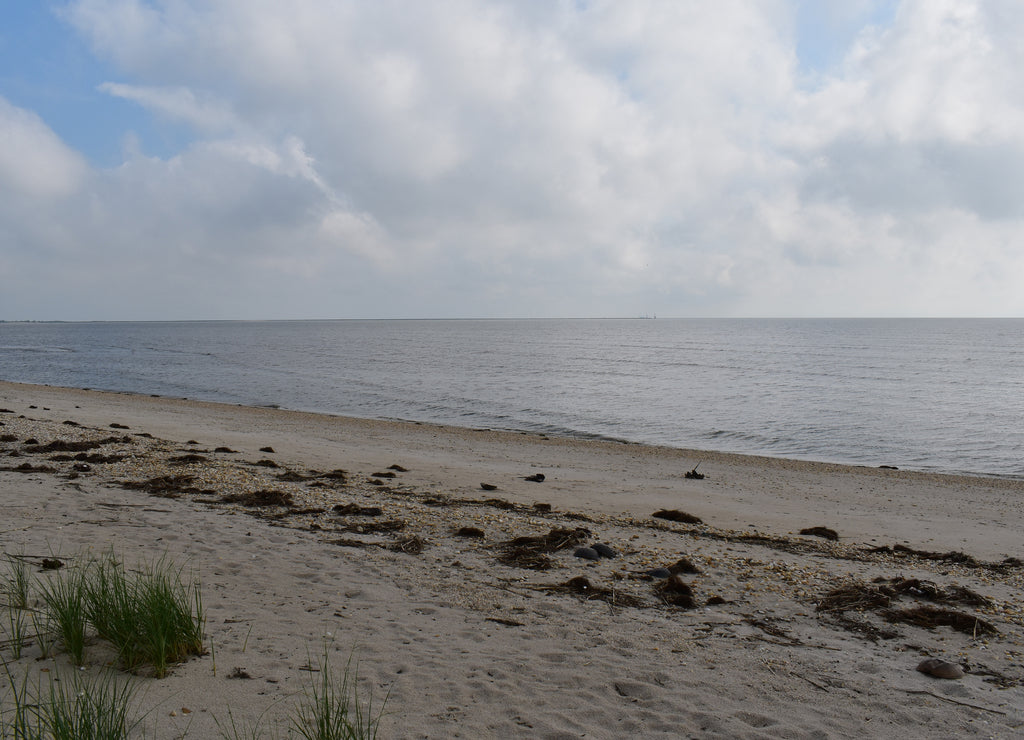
[{"x": 488, "y": 158}]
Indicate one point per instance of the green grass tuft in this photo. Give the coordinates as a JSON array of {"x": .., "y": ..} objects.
[
  {"x": 152, "y": 617},
  {"x": 18, "y": 582},
  {"x": 65, "y": 599},
  {"x": 330, "y": 708},
  {"x": 76, "y": 707}
]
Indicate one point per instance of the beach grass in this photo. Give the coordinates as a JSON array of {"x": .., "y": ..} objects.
[
  {"x": 17, "y": 583},
  {"x": 78, "y": 706},
  {"x": 65, "y": 600},
  {"x": 330, "y": 707},
  {"x": 153, "y": 617}
]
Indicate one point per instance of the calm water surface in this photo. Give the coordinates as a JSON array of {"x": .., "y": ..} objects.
[{"x": 930, "y": 394}]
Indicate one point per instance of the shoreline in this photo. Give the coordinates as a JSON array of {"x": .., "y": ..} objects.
[
  {"x": 470, "y": 645},
  {"x": 583, "y": 437},
  {"x": 633, "y": 476}
]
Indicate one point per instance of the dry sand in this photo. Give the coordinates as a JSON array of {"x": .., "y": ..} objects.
[{"x": 464, "y": 645}]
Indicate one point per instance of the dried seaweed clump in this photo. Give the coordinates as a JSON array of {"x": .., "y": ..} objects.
[
  {"x": 259, "y": 498},
  {"x": 674, "y": 515},
  {"x": 532, "y": 551},
  {"x": 856, "y": 595},
  {"x": 352, "y": 509},
  {"x": 954, "y": 557},
  {"x": 881, "y": 595},
  {"x": 581, "y": 586},
  {"x": 931, "y": 617},
  {"x": 674, "y": 591},
  {"x": 824, "y": 532},
  {"x": 188, "y": 459},
  {"x": 28, "y": 468},
  {"x": 83, "y": 446},
  {"x": 166, "y": 486},
  {"x": 411, "y": 545},
  {"x": 683, "y": 565},
  {"x": 388, "y": 525},
  {"x": 932, "y": 592}
]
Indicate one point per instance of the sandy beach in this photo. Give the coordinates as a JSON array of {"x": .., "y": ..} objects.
[{"x": 407, "y": 564}]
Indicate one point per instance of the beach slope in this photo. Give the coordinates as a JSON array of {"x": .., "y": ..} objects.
[{"x": 468, "y": 608}]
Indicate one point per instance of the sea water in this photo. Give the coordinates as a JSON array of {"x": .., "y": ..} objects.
[{"x": 942, "y": 395}]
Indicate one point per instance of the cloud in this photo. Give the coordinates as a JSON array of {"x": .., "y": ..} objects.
[
  {"x": 510, "y": 158},
  {"x": 181, "y": 103},
  {"x": 33, "y": 160}
]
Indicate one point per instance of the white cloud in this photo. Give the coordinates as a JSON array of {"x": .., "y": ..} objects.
[
  {"x": 510, "y": 158},
  {"x": 34, "y": 162},
  {"x": 209, "y": 116}
]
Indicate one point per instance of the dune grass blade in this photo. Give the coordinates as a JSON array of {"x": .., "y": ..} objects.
[
  {"x": 170, "y": 616},
  {"x": 18, "y": 583},
  {"x": 110, "y": 606},
  {"x": 94, "y": 708},
  {"x": 16, "y": 624},
  {"x": 22, "y": 721},
  {"x": 42, "y": 629},
  {"x": 330, "y": 708},
  {"x": 65, "y": 598}
]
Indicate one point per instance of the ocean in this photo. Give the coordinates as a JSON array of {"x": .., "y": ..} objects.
[{"x": 942, "y": 395}]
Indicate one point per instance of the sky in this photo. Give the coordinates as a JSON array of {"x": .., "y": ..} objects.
[{"x": 253, "y": 159}]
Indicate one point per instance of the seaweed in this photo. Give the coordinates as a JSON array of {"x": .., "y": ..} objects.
[
  {"x": 581, "y": 586},
  {"x": 525, "y": 557},
  {"x": 861, "y": 627},
  {"x": 932, "y": 592},
  {"x": 356, "y": 510},
  {"x": 954, "y": 557},
  {"x": 347, "y": 542},
  {"x": 290, "y": 476},
  {"x": 674, "y": 515},
  {"x": 674, "y": 591},
  {"x": 532, "y": 551},
  {"x": 683, "y": 565},
  {"x": 930, "y": 617},
  {"x": 95, "y": 458},
  {"x": 388, "y": 525},
  {"x": 856, "y": 595},
  {"x": 259, "y": 498},
  {"x": 28, "y": 468},
  {"x": 188, "y": 459},
  {"x": 556, "y": 539},
  {"x": 166, "y": 486},
  {"x": 65, "y": 446},
  {"x": 823, "y": 532},
  {"x": 412, "y": 545}
]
